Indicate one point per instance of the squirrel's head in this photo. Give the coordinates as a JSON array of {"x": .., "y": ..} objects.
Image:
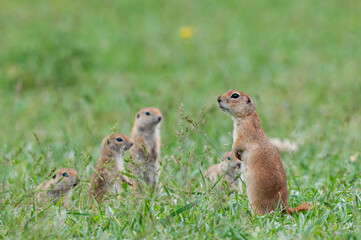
[
  {"x": 62, "y": 181},
  {"x": 231, "y": 162},
  {"x": 118, "y": 143},
  {"x": 237, "y": 104},
  {"x": 148, "y": 118}
]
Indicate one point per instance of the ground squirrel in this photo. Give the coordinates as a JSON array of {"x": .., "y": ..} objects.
[
  {"x": 107, "y": 176},
  {"x": 230, "y": 166},
  {"x": 58, "y": 186},
  {"x": 284, "y": 145},
  {"x": 264, "y": 173},
  {"x": 146, "y": 150}
]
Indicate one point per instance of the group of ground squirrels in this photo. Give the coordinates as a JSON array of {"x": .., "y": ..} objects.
[{"x": 254, "y": 161}]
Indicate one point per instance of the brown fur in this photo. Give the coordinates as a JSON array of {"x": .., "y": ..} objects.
[
  {"x": 265, "y": 176},
  {"x": 109, "y": 166},
  {"x": 230, "y": 166},
  {"x": 146, "y": 150},
  {"x": 59, "y": 186}
]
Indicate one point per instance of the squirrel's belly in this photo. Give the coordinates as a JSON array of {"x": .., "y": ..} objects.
[{"x": 251, "y": 185}]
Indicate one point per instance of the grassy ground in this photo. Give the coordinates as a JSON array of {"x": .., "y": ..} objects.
[{"x": 73, "y": 71}]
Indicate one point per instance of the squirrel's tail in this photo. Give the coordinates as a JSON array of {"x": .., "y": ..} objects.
[{"x": 302, "y": 207}]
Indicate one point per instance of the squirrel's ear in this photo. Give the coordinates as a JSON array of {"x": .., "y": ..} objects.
[{"x": 249, "y": 100}]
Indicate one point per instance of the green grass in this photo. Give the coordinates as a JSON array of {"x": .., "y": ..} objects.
[{"x": 73, "y": 71}]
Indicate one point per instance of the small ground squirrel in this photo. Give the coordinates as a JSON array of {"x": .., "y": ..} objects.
[
  {"x": 146, "y": 150},
  {"x": 107, "y": 176},
  {"x": 230, "y": 166},
  {"x": 264, "y": 173},
  {"x": 284, "y": 145},
  {"x": 58, "y": 186}
]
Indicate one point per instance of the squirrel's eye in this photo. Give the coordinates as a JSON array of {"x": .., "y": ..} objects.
[
  {"x": 119, "y": 139},
  {"x": 229, "y": 158},
  {"x": 147, "y": 113},
  {"x": 65, "y": 174},
  {"x": 235, "y": 95}
]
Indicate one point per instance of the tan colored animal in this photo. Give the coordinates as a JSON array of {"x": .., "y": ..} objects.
[
  {"x": 230, "y": 167},
  {"x": 107, "y": 176},
  {"x": 146, "y": 150},
  {"x": 284, "y": 145},
  {"x": 59, "y": 186},
  {"x": 264, "y": 173}
]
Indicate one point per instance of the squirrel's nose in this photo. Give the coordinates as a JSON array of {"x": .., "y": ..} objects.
[
  {"x": 159, "y": 119},
  {"x": 219, "y": 99}
]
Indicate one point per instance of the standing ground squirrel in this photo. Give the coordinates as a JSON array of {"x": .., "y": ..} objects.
[
  {"x": 230, "y": 166},
  {"x": 110, "y": 164},
  {"x": 146, "y": 150},
  {"x": 58, "y": 186},
  {"x": 264, "y": 173}
]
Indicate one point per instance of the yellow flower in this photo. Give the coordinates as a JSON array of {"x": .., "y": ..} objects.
[
  {"x": 186, "y": 32},
  {"x": 353, "y": 158}
]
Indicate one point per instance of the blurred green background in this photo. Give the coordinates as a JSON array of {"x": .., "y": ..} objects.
[{"x": 73, "y": 71}]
